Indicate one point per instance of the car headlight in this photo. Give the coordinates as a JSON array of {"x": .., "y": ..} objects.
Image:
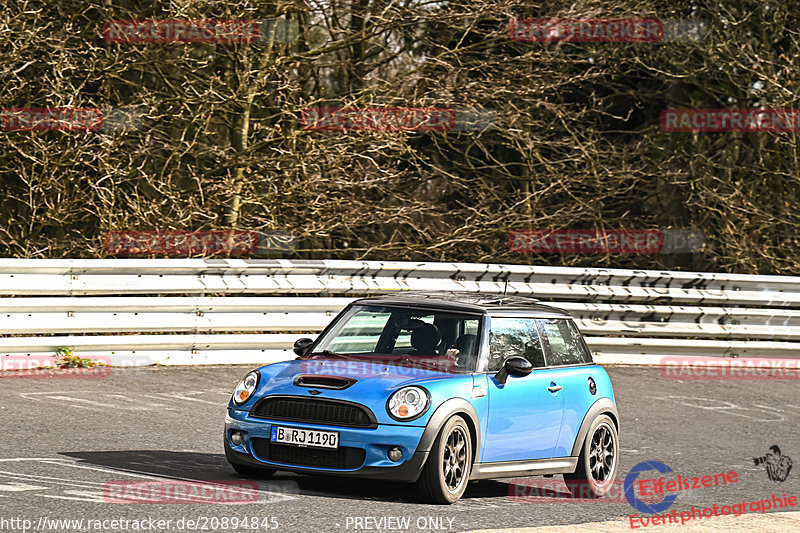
[
  {"x": 245, "y": 388},
  {"x": 408, "y": 403}
]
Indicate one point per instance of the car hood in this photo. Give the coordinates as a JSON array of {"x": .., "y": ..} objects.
[{"x": 371, "y": 384}]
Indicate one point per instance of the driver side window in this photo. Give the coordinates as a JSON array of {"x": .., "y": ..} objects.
[{"x": 511, "y": 337}]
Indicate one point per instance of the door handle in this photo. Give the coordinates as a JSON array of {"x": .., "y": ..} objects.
[{"x": 554, "y": 388}]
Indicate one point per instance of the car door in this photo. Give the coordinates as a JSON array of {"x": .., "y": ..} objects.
[
  {"x": 524, "y": 413},
  {"x": 570, "y": 368}
]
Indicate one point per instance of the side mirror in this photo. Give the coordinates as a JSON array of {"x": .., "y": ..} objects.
[
  {"x": 301, "y": 346},
  {"x": 514, "y": 366}
]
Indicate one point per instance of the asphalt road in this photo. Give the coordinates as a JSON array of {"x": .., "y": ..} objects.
[{"x": 63, "y": 440}]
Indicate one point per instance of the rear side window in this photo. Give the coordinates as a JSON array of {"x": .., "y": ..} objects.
[
  {"x": 514, "y": 337},
  {"x": 566, "y": 344}
]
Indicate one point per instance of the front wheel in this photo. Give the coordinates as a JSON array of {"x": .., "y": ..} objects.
[
  {"x": 597, "y": 464},
  {"x": 446, "y": 474}
]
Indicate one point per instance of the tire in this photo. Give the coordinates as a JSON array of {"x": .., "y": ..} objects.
[
  {"x": 598, "y": 461},
  {"x": 446, "y": 473},
  {"x": 252, "y": 472}
]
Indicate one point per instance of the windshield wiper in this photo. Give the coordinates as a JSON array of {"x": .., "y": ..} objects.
[{"x": 327, "y": 353}]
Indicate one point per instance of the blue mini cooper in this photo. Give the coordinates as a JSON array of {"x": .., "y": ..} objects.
[{"x": 437, "y": 389}]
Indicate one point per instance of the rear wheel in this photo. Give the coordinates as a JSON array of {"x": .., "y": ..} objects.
[
  {"x": 252, "y": 472},
  {"x": 597, "y": 464},
  {"x": 446, "y": 474}
]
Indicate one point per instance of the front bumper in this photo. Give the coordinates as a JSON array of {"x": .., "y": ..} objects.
[{"x": 373, "y": 444}]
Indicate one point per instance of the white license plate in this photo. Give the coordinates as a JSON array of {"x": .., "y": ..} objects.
[{"x": 304, "y": 437}]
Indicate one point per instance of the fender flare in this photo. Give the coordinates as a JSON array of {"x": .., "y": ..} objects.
[
  {"x": 443, "y": 413},
  {"x": 600, "y": 407}
]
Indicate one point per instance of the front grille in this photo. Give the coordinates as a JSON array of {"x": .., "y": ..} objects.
[
  {"x": 343, "y": 457},
  {"x": 314, "y": 411}
]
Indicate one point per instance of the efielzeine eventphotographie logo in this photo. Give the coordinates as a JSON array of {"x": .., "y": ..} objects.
[{"x": 777, "y": 465}]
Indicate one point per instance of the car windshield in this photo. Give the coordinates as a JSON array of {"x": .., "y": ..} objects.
[{"x": 427, "y": 339}]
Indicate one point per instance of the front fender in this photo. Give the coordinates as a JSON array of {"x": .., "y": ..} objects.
[{"x": 443, "y": 413}]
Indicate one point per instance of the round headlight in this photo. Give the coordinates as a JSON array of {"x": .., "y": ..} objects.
[
  {"x": 408, "y": 403},
  {"x": 245, "y": 388}
]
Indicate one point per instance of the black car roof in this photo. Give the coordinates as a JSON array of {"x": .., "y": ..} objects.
[{"x": 481, "y": 303}]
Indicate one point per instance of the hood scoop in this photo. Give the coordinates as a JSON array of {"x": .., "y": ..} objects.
[{"x": 323, "y": 382}]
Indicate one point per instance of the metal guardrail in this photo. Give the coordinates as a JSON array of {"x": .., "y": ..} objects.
[{"x": 189, "y": 311}]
